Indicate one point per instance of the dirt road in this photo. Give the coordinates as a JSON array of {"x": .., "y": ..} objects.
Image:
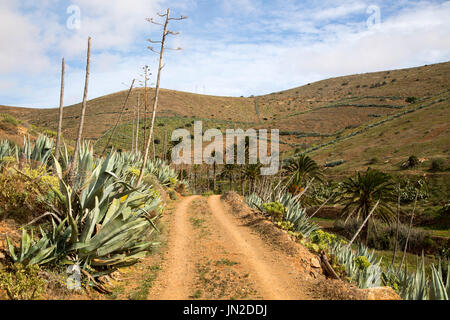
[
  {"x": 212, "y": 255},
  {"x": 173, "y": 281}
]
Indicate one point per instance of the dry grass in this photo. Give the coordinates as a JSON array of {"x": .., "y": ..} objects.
[{"x": 325, "y": 110}]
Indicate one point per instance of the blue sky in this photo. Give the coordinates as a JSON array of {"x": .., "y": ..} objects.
[{"x": 230, "y": 47}]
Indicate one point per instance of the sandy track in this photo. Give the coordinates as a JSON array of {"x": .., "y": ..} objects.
[
  {"x": 270, "y": 272},
  {"x": 276, "y": 279},
  {"x": 175, "y": 278}
]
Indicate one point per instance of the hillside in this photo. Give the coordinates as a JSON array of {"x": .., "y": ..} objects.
[
  {"x": 424, "y": 132},
  {"x": 308, "y": 116}
]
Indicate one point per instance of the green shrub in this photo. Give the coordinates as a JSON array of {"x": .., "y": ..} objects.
[
  {"x": 172, "y": 194},
  {"x": 285, "y": 225},
  {"x": 408, "y": 191},
  {"x": 27, "y": 194},
  {"x": 50, "y": 133},
  {"x": 6, "y": 118},
  {"x": 319, "y": 241},
  {"x": 411, "y": 99},
  {"x": 362, "y": 262},
  {"x": 22, "y": 282},
  {"x": 445, "y": 210},
  {"x": 134, "y": 171},
  {"x": 411, "y": 163},
  {"x": 208, "y": 193},
  {"x": 383, "y": 238},
  {"x": 322, "y": 237},
  {"x": 334, "y": 164},
  {"x": 437, "y": 165},
  {"x": 275, "y": 209}
]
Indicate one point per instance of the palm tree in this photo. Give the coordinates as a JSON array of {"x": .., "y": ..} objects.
[
  {"x": 252, "y": 172},
  {"x": 195, "y": 169},
  {"x": 359, "y": 195},
  {"x": 229, "y": 171},
  {"x": 213, "y": 154},
  {"x": 303, "y": 168},
  {"x": 411, "y": 163}
]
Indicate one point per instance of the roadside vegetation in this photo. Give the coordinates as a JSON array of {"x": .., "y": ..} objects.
[
  {"x": 99, "y": 222},
  {"x": 370, "y": 220}
]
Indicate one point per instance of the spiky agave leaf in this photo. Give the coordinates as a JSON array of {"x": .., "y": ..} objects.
[
  {"x": 438, "y": 289},
  {"x": 365, "y": 278},
  {"x": 106, "y": 222},
  {"x": 32, "y": 252}
]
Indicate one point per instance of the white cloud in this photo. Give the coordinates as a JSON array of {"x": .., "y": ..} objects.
[
  {"x": 22, "y": 48},
  {"x": 413, "y": 37},
  {"x": 339, "y": 11},
  {"x": 113, "y": 24},
  {"x": 240, "y": 6},
  {"x": 233, "y": 55}
]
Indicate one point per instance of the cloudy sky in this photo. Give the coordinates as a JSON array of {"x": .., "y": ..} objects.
[{"x": 230, "y": 47}]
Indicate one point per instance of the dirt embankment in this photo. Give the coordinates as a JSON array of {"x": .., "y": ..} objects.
[{"x": 302, "y": 260}]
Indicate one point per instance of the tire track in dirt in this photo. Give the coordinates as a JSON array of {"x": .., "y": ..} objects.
[
  {"x": 178, "y": 268},
  {"x": 211, "y": 251},
  {"x": 276, "y": 278},
  {"x": 221, "y": 273}
]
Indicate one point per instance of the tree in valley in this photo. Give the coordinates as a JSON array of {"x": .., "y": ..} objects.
[
  {"x": 301, "y": 170},
  {"x": 369, "y": 193}
]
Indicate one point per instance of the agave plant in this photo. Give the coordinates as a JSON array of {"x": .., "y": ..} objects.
[
  {"x": 30, "y": 251},
  {"x": 7, "y": 151},
  {"x": 297, "y": 215},
  {"x": 365, "y": 275},
  {"x": 439, "y": 290},
  {"x": 294, "y": 213},
  {"x": 65, "y": 158},
  {"x": 254, "y": 201},
  {"x": 133, "y": 159},
  {"x": 165, "y": 175},
  {"x": 39, "y": 151},
  {"x": 115, "y": 238},
  {"x": 106, "y": 225},
  {"x": 416, "y": 285}
]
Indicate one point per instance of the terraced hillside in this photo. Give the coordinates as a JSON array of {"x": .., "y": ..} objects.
[
  {"x": 421, "y": 129},
  {"x": 308, "y": 116}
]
